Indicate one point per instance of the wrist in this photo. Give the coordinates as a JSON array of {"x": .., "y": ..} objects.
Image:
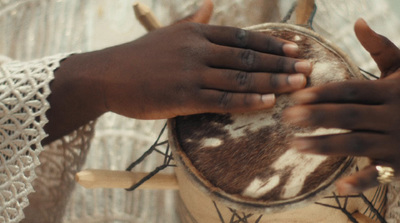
[{"x": 76, "y": 94}]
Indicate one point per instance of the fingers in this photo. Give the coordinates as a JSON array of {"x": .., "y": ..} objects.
[
  {"x": 250, "y": 60},
  {"x": 227, "y": 102},
  {"x": 358, "y": 182},
  {"x": 240, "y": 38},
  {"x": 372, "y": 145},
  {"x": 202, "y": 15},
  {"x": 344, "y": 116},
  {"x": 382, "y": 50},
  {"x": 361, "y": 92},
  {"x": 248, "y": 82}
]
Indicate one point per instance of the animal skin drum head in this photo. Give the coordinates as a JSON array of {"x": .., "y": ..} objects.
[{"x": 245, "y": 160}]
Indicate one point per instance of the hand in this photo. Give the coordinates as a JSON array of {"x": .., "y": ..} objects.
[
  {"x": 201, "y": 69},
  {"x": 370, "y": 109},
  {"x": 193, "y": 68}
]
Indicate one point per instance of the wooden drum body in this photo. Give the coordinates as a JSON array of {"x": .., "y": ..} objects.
[{"x": 241, "y": 168}]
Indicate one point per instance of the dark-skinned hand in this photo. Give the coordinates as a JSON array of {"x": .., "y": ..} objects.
[
  {"x": 370, "y": 109},
  {"x": 182, "y": 69}
]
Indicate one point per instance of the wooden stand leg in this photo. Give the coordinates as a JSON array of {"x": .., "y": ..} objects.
[{"x": 124, "y": 179}]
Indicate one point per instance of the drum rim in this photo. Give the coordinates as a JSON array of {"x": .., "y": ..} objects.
[
  {"x": 236, "y": 202},
  {"x": 302, "y": 29}
]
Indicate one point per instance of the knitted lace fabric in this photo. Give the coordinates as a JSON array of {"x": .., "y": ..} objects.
[
  {"x": 60, "y": 161},
  {"x": 24, "y": 88}
]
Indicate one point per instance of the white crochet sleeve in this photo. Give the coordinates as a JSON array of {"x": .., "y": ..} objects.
[{"x": 24, "y": 87}]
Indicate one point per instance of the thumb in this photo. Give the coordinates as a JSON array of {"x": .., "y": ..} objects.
[
  {"x": 202, "y": 15},
  {"x": 382, "y": 50}
]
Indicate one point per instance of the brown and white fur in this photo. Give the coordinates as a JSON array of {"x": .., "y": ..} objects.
[{"x": 245, "y": 160}]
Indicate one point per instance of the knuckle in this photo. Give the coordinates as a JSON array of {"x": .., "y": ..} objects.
[
  {"x": 316, "y": 117},
  {"x": 280, "y": 64},
  {"x": 194, "y": 54},
  {"x": 225, "y": 101},
  {"x": 241, "y": 37},
  {"x": 386, "y": 41},
  {"x": 193, "y": 27},
  {"x": 393, "y": 92},
  {"x": 182, "y": 93},
  {"x": 350, "y": 93},
  {"x": 244, "y": 80},
  {"x": 270, "y": 44},
  {"x": 355, "y": 143},
  {"x": 273, "y": 81},
  {"x": 250, "y": 100},
  {"x": 247, "y": 101},
  {"x": 248, "y": 58},
  {"x": 290, "y": 65},
  {"x": 322, "y": 145},
  {"x": 324, "y": 148},
  {"x": 350, "y": 116},
  {"x": 274, "y": 45},
  {"x": 187, "y": 30}
]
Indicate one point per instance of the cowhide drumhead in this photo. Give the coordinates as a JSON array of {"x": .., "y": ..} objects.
[{"x": 245, "y": 160}]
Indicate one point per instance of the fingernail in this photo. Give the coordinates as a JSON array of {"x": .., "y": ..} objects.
[
  {"x": 301, "y": 145},
  {"x": 296, "y": 115},
  {"x": 303, "y": 67},
  {"x": 291, "y": 49},
  {"x": 303, "y": 97},
  {"x": 297, "y": 80},
  {"x": 268, "y": 99}
]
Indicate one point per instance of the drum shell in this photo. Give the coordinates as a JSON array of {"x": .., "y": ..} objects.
[
  {"x": 199, "y": 196},
  {"x": 196, "y": 206}
]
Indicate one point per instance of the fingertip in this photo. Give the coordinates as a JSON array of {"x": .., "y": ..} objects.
[
  {"x": 360, "y": 22},
  {"x": 205, "y": 12},
  {"x": 345, "y": 187},
  {"x": 268, "y": 100},
  {"x": 366, "y": 35},
  {"x": 303, "y": 66},
  {"x": 242, "y": 102},
  {"x": 291, "y": 49},
  {"x": 296, "y": 115},
  {"x": 304, "y": 97},
  {"x": 358, "y": 182},
  {"x": 361, "y": 26},
  {"x": 302, "y": 145},
  {"x": 202, "y": 15},
  {"x": 297, "y": 81},
  {"x": 252, "y": 102}
]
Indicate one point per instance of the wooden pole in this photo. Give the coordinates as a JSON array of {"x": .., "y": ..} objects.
[
  {"x": 146, "y": 17},
  {"x": 125, "y": 179},
  {"x": 303, "y": 11}
]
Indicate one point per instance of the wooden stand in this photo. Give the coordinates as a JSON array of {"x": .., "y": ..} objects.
[
  {"x": 303, "y": 11},
  {"x": 124, "y": 179},
  {"x": 146, "y": 17}
]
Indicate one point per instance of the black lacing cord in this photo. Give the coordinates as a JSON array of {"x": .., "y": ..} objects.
[{"x": 167, "y": 159}]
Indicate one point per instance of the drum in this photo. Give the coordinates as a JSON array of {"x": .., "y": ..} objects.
[{"x": 241, "y": 167}]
